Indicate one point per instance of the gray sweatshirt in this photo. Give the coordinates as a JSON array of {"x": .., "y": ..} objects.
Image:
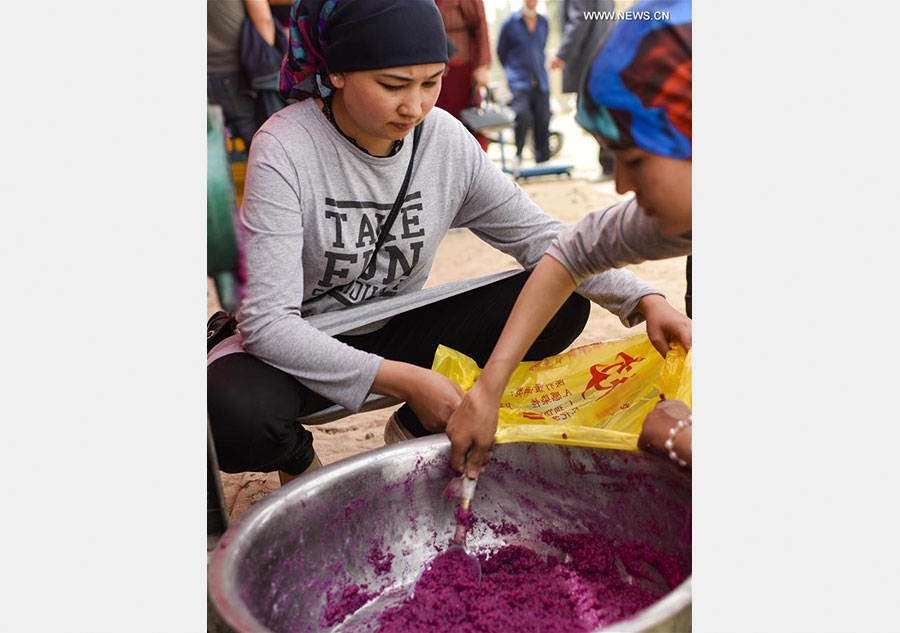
[
  {"x": 312, "y": 208},
  {"x": 613, "y": 237}
]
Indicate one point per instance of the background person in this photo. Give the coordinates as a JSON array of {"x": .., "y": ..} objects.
[
  {"x": 520, "y": 48},
  {"x": 224, "y": 86},
  {"x": 580, "y": 40},
  {"x": 469, "y": 68}
]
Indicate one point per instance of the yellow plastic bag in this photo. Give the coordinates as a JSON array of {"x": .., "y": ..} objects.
[{"x": 595, "y": 395}]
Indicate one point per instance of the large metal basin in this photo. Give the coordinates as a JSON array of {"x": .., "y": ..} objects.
[{"x": 273, "y": 570}]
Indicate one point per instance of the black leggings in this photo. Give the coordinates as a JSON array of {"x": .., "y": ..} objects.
[{"x": 253, "y": 407}]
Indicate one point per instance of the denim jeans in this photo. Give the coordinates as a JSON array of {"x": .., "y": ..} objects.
[{"x": 533, "y": 111}]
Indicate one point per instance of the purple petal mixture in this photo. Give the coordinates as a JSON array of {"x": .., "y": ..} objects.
[{"x": 522, "y": 591}]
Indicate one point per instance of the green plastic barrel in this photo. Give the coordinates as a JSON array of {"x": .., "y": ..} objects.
[{"x": 221, "y": 243}]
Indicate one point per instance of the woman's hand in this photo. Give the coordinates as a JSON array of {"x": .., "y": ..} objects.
[
  {"x": 665, "y": 324},
  {"x": 481, "y": 77},
  {"x": 432, "y": 396},
  {"x": 655, "y": 430},
  {"x": 472, "y": 426}
]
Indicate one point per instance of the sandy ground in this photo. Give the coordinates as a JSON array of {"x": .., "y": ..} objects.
[{"x": 462, "y": 255}]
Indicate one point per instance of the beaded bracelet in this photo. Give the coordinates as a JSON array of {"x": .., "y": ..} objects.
[{"x": 669, "y": 443}]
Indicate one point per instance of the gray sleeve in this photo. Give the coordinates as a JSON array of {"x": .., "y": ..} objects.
[
  {"x": 499, "y": 212},
  {"x": 613, "y": 237},
  {"x": 269, "y": 320}
]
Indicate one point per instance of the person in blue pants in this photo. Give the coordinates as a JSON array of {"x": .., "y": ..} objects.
[{"x": 520, "y": 48}]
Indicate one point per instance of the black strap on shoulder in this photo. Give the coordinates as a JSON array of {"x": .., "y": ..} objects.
[{"x": 395, "y": 210}]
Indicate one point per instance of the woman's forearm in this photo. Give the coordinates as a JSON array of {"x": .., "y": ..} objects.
[
  {"x": 393, "y": 378},
  {"x": 431, "y": 396},
  {"x": 544, "y": 293},
  {"x": 260, "y": 13}
]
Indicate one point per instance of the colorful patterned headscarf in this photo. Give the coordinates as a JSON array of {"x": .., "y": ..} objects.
[
  {"x": 333, "y": 36},
  {"x": 638, "y": 89}
]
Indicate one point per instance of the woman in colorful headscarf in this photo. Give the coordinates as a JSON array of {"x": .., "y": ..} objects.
[
  {"x": 322, "y": 175},
  {"x": 637, "y": 100}
]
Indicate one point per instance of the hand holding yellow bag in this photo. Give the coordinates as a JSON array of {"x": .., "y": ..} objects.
[{"x": 595, "y": 395}]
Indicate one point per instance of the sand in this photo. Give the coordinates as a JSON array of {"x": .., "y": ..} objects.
[{"x": 461, "y": 256}]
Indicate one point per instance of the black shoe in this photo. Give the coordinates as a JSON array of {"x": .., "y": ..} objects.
[{"x": 219, "y": 327}]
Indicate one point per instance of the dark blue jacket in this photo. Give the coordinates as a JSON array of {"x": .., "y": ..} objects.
[
  {"x": 261, "y": 69},
  {"x": 522, "y": 53}
]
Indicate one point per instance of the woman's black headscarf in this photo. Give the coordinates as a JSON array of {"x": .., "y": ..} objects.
[{"x": 333, "y": 36}]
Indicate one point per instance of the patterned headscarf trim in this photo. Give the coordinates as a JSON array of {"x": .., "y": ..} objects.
[
  {"x": 638, "y": 89},
  {"x": 303, "y": 71}
]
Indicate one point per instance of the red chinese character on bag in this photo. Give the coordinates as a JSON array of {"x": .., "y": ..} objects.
[{"x": 600, "y": 374}]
